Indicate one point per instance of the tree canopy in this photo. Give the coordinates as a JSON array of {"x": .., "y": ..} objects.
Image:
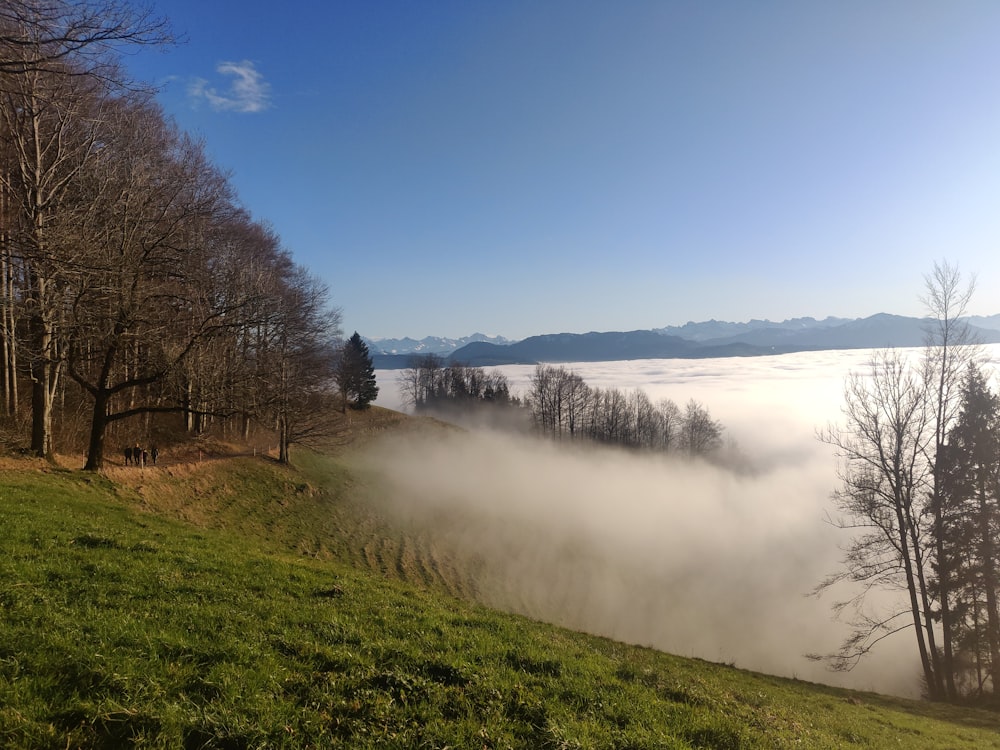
[
  {"x": 920, "y": 493},
  {"x": 131, "y": 280},
  {"x": 355, "y": 374}
]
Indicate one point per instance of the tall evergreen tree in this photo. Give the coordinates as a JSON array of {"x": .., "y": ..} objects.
[
  {"x": 970, "y": 493},
  {"x": 355, "y": 374}
]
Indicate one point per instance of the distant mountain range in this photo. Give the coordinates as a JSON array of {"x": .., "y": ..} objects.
[
  {"x": 429, "y": 344},
  {"x": 692, "y": 340}
]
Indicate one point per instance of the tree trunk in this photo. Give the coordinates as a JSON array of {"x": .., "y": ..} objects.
[
  {"x": 915, "y": 609},
  {"x": 990, "y": 582},
  {"x": 43, "y": 371},
  {"x": 98, "y": 428},
  {"x": 944, "y": 585},
  {"x": 283, "y": 440},
  {"x": 44, "y": 383},
  {"x": 950, "y": 345}
]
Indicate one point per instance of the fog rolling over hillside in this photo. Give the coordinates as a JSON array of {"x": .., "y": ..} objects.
[{"x": 688, "y": 558}]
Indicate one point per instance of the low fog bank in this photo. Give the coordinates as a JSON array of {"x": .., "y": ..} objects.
[{"x": 687, "y": 558}]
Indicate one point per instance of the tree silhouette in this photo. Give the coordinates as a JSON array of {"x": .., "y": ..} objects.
[
  {"x": 968, "y": 471},
  {"x": 355, "y": 375}
]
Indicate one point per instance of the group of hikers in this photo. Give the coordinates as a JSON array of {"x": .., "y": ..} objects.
[{"x": 138, "y": 456}]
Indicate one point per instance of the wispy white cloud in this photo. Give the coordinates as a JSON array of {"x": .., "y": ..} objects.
[{"x": 247, "y": 90}]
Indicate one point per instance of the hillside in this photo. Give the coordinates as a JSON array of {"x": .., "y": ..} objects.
[{"x": 220, "y": 600}]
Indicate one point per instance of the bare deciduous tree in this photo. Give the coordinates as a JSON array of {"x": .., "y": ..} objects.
[
  {"x": 58, "y": 69},
  {"x": 884, "y": 479},
  {"x": 671, "y": 421},
  {"x": 950, "y": 349},
  {"x": 144, "y": 294},
  {"x": 50, "y": 125},
  {"x": 417, "y": 382},
  {"x": 42, "y": 35},
  {"x": 302, "y": 351},
  {"x": 700, "y": 435}
]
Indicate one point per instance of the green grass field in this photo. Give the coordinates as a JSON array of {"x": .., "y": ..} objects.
[{"x": 239, "y": 604}]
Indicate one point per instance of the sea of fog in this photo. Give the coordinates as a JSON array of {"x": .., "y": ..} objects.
[{"x": 685, "y": 557}]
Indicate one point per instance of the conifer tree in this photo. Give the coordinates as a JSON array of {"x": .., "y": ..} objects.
[
  {"x": 356, "y": 374},
  {"x": 970, "y": 493}
]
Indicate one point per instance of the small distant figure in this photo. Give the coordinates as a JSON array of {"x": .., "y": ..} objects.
[
  {"x": 145, "y": 457},
  {"x": 153, "y": 453},
  {"x": 128, "y": 455},
  {"x": 137, "y": 456}
]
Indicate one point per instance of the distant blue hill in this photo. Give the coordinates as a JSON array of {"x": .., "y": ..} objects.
[
  {"x": 704, "y": 340},
  {"x": 718, "y": 329}
]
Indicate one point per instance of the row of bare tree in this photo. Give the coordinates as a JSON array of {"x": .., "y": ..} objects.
[
  {"x": 130, "y": 278},
  {"x": 920, "y": 492},
  {"x": 565, "y": 407},
  {"x": 562, "y": 406},
  {"x": 432, "y": 384}
]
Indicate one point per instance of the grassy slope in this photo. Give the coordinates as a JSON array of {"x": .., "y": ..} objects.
[{"x": 232, "y": 604}]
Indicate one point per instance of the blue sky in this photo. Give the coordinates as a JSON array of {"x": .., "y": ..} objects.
[{"x": 519, "y": 168}]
